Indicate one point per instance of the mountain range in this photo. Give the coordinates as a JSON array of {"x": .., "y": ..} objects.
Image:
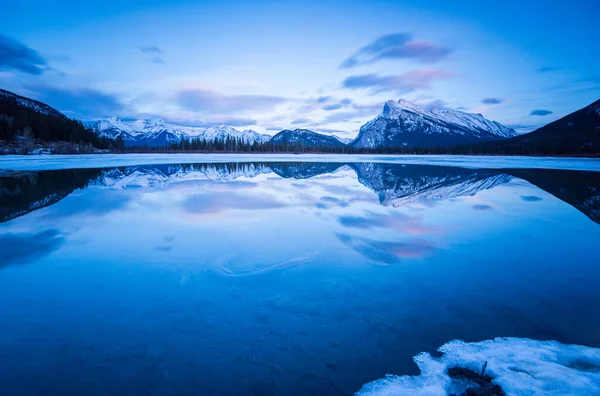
[
  {"x": 401, "y": 124},
  {"x": 156, "y": 133}
]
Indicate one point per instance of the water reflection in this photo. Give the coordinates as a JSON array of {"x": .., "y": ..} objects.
[
  {"x": 395, "y": 185},
  {"x": 22, "y": 248},
  {"x": 290, "y": 278}
]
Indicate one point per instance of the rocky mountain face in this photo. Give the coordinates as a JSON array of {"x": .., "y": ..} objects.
[
  {"x": 405, "y": 124},
  {"x": 305, "y": 138}
]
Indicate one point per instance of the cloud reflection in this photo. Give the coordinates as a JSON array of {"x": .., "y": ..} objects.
[
  {"x": 22, "y": 248},
  {"x": 221, "y": 202},
  {"x": 385, "y": 251},
  {"x": 397, "y": 221}
]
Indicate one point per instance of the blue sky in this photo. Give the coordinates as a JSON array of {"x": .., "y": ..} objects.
[{"x": 321, "y": 65}]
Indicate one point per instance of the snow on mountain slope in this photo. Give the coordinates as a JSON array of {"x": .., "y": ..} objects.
[
  {"x": 158, "y": 133},
  {"x": 404, "y": 123},
  {"x": 343, "y": 140}
]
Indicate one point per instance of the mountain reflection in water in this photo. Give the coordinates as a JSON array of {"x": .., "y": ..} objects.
[{"x": 395, "y": 185}]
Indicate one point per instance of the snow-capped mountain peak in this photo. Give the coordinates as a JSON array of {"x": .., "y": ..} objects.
[
  {"x": 403, "y": 123},
  {"x": 156, "y": 132}
]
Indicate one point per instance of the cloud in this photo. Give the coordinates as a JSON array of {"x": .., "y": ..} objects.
[
  {"x": 15, "y": 55},
  {"x": 81, "y": 102},
  {"x": 540, "y": 112},
  {"x": 336, "y": 105},
  {"x": 524, "y": 127},
  {"x": 329, "y": 130},
  {"x": 547, "y": 69},
  {"x": 301, "y": 121},
  {"x": 435, "y": 104},
  {"x": 206, "y": 101},
  {"x": 482, "y": 207},
  {"x": 492, "y": 101},
  {"x": 158, "y": 60},
  {"x": 151, "y": 49},
  {"x": 401, "y": 83},
  {"x": 209, "y": 121},
  {"x": 396, "y": 46}
]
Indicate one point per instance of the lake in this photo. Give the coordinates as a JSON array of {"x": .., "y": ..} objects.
[{"x": 280, "y": 275}]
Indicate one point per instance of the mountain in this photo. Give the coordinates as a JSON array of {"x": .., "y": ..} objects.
[
  {"x": 576, "y": 131},
  {"x": 404, "y": 123},
  {"x": 25, "y": 123},
  {"x": 34, "y": 105},
  {"x": 306, "y": 138},
  {"x": 343, "y": 140},
  {"x": 155, "y": 133}
]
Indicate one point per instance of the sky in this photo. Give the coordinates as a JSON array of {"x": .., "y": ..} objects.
[{"x": 321, "y": 65}]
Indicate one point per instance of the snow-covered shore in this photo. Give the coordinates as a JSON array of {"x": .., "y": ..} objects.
[
  {"x": 49, "y": 162},
  {"x": 519, "y": 366}
]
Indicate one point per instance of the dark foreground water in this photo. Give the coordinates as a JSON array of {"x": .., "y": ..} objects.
[{"x": 282, "y": 278}]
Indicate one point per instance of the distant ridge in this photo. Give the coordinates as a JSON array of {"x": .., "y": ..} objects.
[{"x": 577, "y": 131}]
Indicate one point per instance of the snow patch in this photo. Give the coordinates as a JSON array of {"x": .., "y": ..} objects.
[{"x": 519, "y": 366}]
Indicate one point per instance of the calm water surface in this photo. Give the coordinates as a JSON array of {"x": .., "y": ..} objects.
[{"x": 282, "y": 278}]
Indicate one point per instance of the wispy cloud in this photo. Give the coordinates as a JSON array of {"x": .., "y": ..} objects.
[
  {"x": 547, "y": 69},
  {"x": 540, "y": 112},
  {"x": 81, "y": 102},
  {"x": 155, "y": 52},
  {"x": 151, "y": 49},
  {"x": 396, "y": 46},
  {"x": 492, "y": 101},
  {"x": 401, "y": 83},
  {"x": 301, "y": 121},
  {"x": 207, "y": 101},
  {"x": 435, "y": 104},
  {"x": 158, "y": 60},
  {"x": 15, "y": 55},
  {"x": 212, "y": 120},
  {"x": 524, "y": 127},
  {"x": 336, "y": 105}
]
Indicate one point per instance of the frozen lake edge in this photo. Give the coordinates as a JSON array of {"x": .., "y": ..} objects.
[{"x": 54, "y": 162}]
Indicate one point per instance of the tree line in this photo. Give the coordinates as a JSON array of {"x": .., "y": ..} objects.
[
  {"x": 22, "y": 123},
  {"x": 234, "y": 145}
]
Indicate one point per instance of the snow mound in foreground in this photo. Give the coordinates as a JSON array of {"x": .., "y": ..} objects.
[{"x": 520, "y": 366}]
